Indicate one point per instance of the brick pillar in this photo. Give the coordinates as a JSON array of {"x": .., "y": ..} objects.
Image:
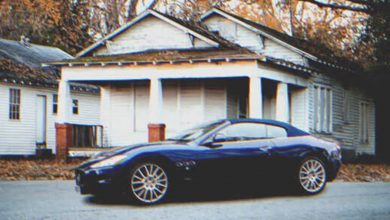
[
  {"x": 63, "y": 140},
  {"x": 156, "y": 132}
]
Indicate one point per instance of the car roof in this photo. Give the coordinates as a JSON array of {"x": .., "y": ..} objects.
[{"x": 291, "y": 130}]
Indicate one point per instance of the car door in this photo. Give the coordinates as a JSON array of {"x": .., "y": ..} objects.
[{"x": 237, "y": 151}]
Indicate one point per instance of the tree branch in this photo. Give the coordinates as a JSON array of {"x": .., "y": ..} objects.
[{"x": 363, "y": 8}]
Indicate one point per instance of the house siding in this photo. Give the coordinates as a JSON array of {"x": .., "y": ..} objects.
[
  {"x": 234, "y": 32},
  {"x": 18, "y": 137},
  {"x": 186, "y": 103},
  {"x": 247, "y": 38},
  {"x": 345, "y": 132},
  {"x": 150, "y": 34},
  {"x": 276, "y": 50},
  {"x": 299, "y": 108}
]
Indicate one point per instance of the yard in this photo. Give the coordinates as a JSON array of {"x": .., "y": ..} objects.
[{"x": 34, "y": 169}]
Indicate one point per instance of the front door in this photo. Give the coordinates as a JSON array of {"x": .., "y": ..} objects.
[{"x": 41, "y": 120}]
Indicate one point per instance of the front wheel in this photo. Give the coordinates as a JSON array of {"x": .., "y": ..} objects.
[
  {"x": 311, "y": 176},
  {"x": 148, "y": 183}
]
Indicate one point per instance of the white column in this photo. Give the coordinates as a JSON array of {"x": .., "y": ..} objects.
[
  {"x": 255, "y": 98},
  {"x": 105, "y": 112},
  {"x": 155, "y": 101},
  {"x": 282, "y": 102},
  {"x": 64, "y": 105}
]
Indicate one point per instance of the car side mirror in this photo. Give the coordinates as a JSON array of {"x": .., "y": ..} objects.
[
  {"x": 214, "y": 142},
  {"x": 219, "y": 137}
]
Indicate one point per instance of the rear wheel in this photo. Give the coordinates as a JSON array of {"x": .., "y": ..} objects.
[
  {"x": 311, "y": 176},
  {"x": 148, "y": 183}
]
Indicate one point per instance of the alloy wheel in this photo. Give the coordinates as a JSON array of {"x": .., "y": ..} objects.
[
  {"x": 312, "y": 176},
  {"x": 149, "y": 183}
]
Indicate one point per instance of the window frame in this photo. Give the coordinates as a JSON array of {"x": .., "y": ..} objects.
[
  {"x": 323, "y": 109},
  {"x": 364, "y": 122},
  {"x": 75, "y": 106},
  {"x": 266, "y": 127},
  {"x": 55, "y": 103},
  {"x": 14, "y": 104}
]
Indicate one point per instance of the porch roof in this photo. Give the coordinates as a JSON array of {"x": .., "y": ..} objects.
[
  {"x": 184, "y": 56},
  {"x": 164, "y": 56}
]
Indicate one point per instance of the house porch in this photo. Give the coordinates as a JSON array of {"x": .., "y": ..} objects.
[{"x": 145, "y": 107}]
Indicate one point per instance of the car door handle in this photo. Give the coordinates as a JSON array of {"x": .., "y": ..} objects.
[{"x": 265, "y": 148}]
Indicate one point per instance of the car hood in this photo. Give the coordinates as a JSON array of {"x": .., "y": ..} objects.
[{"x": 142, "y": 147}]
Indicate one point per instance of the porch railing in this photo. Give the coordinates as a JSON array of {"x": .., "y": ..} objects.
[{"x": 87, "y": 135}]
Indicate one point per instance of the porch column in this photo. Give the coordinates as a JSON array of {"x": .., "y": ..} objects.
[
  {"x": 156, "y": 128},
  {"x": 255, "y": 98},
  {"x": 282, "y": 102},
  {"x": 63, "y": 129}
]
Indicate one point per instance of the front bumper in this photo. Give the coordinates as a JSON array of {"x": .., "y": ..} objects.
[
  {"x": 333, "y": 168},
  {"x": 96, "y": 181}
]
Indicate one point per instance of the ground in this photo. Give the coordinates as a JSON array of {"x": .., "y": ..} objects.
[
  {"x": 58, "y": 200},
  {"x": 30, "y": 169}
]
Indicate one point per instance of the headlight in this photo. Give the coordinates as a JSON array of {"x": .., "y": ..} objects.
[
  {"x": 337, "y": 152},
  {"x": 110, "y": 161}
]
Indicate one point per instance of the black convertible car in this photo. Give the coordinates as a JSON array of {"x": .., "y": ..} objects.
[{"x": 225, "y": 149}]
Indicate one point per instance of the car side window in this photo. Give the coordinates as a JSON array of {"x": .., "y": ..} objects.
[
  {"x": 250, "y": 131},
  {"x": 275, "y": 131}
]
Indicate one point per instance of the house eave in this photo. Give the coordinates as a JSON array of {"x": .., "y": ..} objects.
[
  {"x": 47, "y": 84},
  {"x": 72, "y": 63}
]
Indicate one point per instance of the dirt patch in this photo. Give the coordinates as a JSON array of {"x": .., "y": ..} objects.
[
  {"x": 33, "y": 169},
  {"x": 364, "y": 173},
  {"x": 30, "y": 169}
]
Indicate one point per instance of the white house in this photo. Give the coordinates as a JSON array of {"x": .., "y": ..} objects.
[
  {"x": 29, "y": 98},
  {"x": 160, "y": 73}
]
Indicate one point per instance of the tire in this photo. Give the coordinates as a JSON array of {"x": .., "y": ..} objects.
[
  {"x": 311, "y": 176},
  {"x": 148, "y": 183}
]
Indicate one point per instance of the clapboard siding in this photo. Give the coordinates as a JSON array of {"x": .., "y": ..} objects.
[
  {"x": 276, "y": 50},
  {"x": 170, "y": 105},
  {"x": 299, "y": 108},
  {"x": 186, "y": 103},
  {"x": 233, "y": 32},
  {"x": 122, "y": 120},
  {"x": 17, "y": 137},
  {"x": 150, "y": 33},
  {"x": 191, "y": 103},
  {"x": 346, "y": 132},
  {"x": 244, "y": 37},
  {"x": 215, "y": 100}
]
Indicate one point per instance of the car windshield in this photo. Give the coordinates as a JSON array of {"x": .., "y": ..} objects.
[{"x": 196, "y": 132}]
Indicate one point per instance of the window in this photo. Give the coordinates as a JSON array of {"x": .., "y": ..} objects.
[
  {"x": 363, "y": 131},
  {"x": 75, "y": 106},
  {"x": 274, "y": 131},
  {"x": 55, "y": 104},
  {"x": 14, "y": 104},
  {"x": 249, "y": 131},
  {"x": 322, "y": 109}
]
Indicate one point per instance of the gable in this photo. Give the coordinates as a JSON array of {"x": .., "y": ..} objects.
[
  {"x": 251, "y": 38},
  {"x": 159, "y": 27},
  {"x": 276, "y": 50},
  {"x": 234, "y": 32},
  {"x": 150, "y": 33}
]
